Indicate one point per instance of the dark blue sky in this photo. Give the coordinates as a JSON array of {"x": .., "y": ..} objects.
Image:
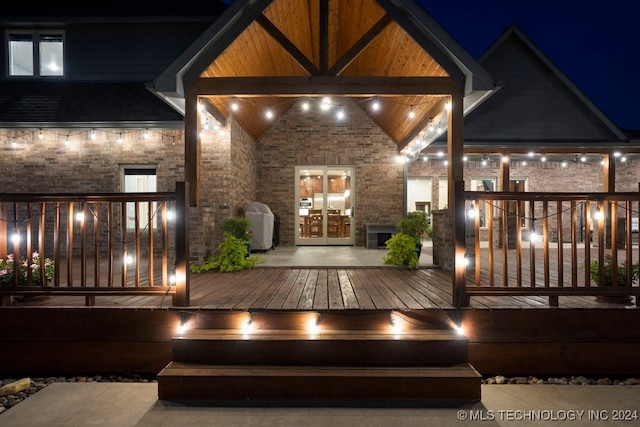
[{"x": 596, "y": 44}]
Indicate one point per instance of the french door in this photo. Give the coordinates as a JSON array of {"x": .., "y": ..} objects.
[{"x": 325, "y": 205}]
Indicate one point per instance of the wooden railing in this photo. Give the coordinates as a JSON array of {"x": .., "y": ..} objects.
[
  {"x": 95, "y": 244},
  {"x": 532, "y": 244}
]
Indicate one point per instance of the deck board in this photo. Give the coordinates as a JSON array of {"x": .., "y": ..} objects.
[{"x": 330, "y": 288}]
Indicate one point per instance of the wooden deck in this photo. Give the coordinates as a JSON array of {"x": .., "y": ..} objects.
[{"x": 321, "y": 289}]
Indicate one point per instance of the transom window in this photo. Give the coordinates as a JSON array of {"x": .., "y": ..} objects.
[{"x": 35, "y": 53}]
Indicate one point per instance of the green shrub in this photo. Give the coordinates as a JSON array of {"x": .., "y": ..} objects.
[
  {"x": 233, "y": 257},
  {"x": 594, "y": 272},
  {"x": 402, "y": 251}
]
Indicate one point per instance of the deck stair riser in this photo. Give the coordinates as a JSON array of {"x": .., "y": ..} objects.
[
  {"x": 352, "y": 357},
  {"x": 348, "y": 348}
]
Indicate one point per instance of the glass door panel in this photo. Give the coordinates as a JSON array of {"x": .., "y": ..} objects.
[{"x": 324, "y": 204}]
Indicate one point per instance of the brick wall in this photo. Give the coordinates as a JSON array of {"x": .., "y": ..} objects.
[
  {"x": 316, "y": 138},
  {"x": 548, "y": 176}
]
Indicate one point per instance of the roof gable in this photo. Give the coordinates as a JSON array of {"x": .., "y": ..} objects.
[
  {"x": 537, "y": 102},
  {"x": 327, "y": 38}
]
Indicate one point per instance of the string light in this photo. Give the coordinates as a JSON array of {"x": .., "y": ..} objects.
[
  {"x": 375, "y": 106},
  {"x": 533, "y": 236},
  {"x": 412, "y": 114},
  {"x": 599, "y": 215},
  {"x": 471, "y": 212}
]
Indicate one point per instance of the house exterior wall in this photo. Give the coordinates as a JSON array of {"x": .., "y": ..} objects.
[
  {"x": 315, "y": 138},
  {"x": 549, "y": 176}
]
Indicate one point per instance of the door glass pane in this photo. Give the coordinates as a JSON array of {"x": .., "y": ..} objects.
[
  {"x": 311, "y": 204},
  {"x": 339, "y": 203}
]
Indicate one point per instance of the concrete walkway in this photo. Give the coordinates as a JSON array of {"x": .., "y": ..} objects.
[{"x": 136, "y": 404}]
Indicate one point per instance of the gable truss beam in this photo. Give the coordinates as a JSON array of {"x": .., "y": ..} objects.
[
  {"x": 214, "y": 112},
  {"x": 424, "y": 40},
  {"x": 360, "y": 45},
  {"x": 325, "y": 85},
  {"x": 284, "y": 41},
  {"x": 434, "y": 114}
]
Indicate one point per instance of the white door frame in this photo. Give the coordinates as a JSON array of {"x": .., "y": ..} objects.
[{"x": 324, "y": 203}]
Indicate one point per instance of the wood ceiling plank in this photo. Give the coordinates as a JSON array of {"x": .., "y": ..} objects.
[{"x": 298, "y": 22}]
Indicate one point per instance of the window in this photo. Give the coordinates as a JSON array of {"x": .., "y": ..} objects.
[
  {"x": 36, "y": 53},
  {"x": 140, "y": 180},
  {"x": 483, "y": 184}
]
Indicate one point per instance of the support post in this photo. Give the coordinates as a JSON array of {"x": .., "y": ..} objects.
[
  {"x": 182, "y": 274},
  {"x": 192, "y": 148},
  {"x": 455, "y": 145}
]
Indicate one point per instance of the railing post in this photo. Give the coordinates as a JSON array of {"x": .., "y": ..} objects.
[
  {"x": 5, "y": 299},
  {"x": 182, "y": 274}
]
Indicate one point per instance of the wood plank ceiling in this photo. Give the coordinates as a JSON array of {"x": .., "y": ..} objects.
[{"x": 334, "y": 38}]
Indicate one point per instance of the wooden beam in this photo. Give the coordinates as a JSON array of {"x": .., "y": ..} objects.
[
  {"x": 214, "y": 112},
  {"x": 505, "y": 172},
  {"x": 324, "y": 85},
  {"x": 192, "y": 146},
  {"x": 455, "y": 145},
  {"x": 433, "y": 115},
  {"x": 360, "y": 45},
  {"x": 183, "y": 272},
  {"x": 291, "y": 49},
  {"x": 609, "y": 173}
]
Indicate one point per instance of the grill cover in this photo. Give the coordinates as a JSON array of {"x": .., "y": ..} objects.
[{"x": 261, "y": 219}]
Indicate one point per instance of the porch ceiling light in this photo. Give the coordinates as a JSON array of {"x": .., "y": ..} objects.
[{"x": 375, "y": 105}]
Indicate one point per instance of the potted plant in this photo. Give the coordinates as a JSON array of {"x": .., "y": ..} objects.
[
  {"x": 405, "y": 247},
  {"x": 607, "y": 278}
]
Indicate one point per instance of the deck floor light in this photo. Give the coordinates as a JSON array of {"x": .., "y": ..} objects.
[
  {"x": 396, "y": 324},
  {"x": 313, "y": 327},
  {"x": 184, "y": 323}
]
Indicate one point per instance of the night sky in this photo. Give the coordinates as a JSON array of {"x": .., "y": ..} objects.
[{"x": 596, "y": 44}]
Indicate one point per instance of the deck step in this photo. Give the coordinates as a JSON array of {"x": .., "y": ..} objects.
[
  {"x": 345, "y": 348},
  {"x": 441, "y": 385}
]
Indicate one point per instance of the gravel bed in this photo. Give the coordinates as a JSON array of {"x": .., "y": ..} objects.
[{"x": 38, "y": 383}]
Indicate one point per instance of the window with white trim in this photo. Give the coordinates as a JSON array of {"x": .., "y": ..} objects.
[
  {"x": 483, "y": 184},
  {"x": 35, "y": 53},
  {"x": 140, "y": 179}
]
